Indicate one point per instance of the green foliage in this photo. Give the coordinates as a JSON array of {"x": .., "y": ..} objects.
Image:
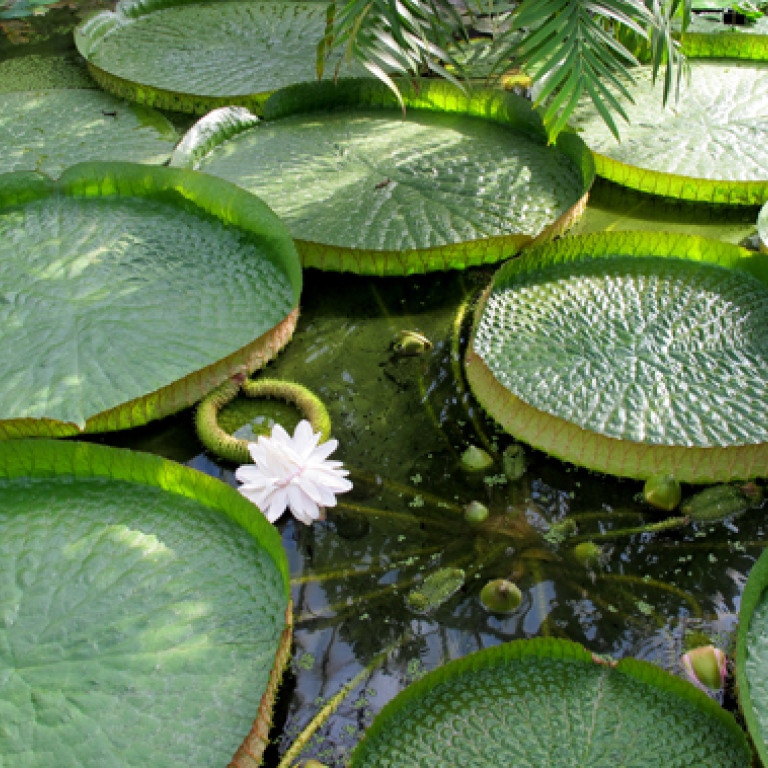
[
  {"x": 706, "y": 149},
  {"x": 752, "y": 656},
  {"x": 547, "y": 702},
  {"x": 136, "y": 593},
  {"x": 116, "y": 250},
  {"x": 464, "y": 179},
  {"x": 574, "y": 46},
  {"x": 630, "y": 378}
]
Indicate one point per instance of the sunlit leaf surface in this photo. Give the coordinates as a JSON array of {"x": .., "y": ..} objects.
[
  {"x": 139, "y": 622},
  {"x": 709, "y": 146},
  {"x": 50, "y": 130}
]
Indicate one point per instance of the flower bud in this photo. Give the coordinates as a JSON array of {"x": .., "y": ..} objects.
[
  {"x": 475, "y": 512},
  {"x": 501, "y": 596},
  {"x": 706, "y": 667},
  {"x": 662, "y": 492}
]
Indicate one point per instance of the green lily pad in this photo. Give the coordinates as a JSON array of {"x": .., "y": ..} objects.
[
  {"x": 752, "y": 656},
  {"x": 458, "y": 181},
  {"x": 35, "y": 73},
  {"x": 709, "y": 147},
  {"x": 546, "y": 702},
  {"x": 144, "y": 612},
  {"x": 708, "y": 37},
  {"x": 762, "y": 227},
  {"x": 131, "y": 291},
  {"x": 192, "y": 57},
  {"x": 50, "y": 130},
  {"x": 632, "y": 354}
]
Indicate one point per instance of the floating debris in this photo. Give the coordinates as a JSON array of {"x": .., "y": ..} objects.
[{"x": 436, "y": 589}]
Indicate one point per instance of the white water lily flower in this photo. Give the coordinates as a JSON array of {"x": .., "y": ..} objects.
[{"x": 293, "y": 472}]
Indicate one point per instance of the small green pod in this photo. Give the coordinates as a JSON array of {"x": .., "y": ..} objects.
[
  {"x": 475, "y": 512},
  {"x": 662, "y": 492},
  {"x": 716, "y": 503},
  {"x": 501, "y": 596},
  {"x": 475, "y": 459},
  {"x": 514, "y": 462},
  {"x": 588, "y": 554}
]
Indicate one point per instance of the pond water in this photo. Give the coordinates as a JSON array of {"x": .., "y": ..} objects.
[{"x": 402, "y": 423}]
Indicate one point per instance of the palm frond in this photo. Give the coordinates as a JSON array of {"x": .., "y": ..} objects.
[
  {"x": 573, "y": 47},
  {"x": 394, "y": 37}
]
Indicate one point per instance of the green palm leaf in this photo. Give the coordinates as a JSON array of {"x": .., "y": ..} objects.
[{"x": 572, "y": 46}]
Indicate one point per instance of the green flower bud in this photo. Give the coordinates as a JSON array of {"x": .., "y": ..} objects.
[
  {"x": 500, "y": 596},
  {"x": 662, "y": 492},
  {"x": 475, "y": 512},
  {"x": 475, "y": 459}
]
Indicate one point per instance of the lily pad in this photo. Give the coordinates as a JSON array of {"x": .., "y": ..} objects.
[
  {"x": 752, "y": 656},
  {"x": 35, "y": 72},
  {"x": 631, "y": 354},
  {"x": 708, "y": 37},
  {"x": 145, "y": 612},
  {"x": 50, "y": 130},
  {"x": 709, "y": 147},
  {"x": 762, "y": 227},
  {"x": 130, "y": 291},
  {"x": 458, "y": 181},
  {"x": 546, "y": 702},
  {"x": 192, "y": 56}
]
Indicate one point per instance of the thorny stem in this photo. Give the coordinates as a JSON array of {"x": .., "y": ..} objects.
[
  {"x": 345, "y": 573},
  {"x": 332, "y": 705},
  {"x": 336, "y": 610},
  {"x": 458, "y": 373},
  {"x": 643, "y": 581},
  {"x": 664, "y": 525},
  {"x": 360, "y": 476}
]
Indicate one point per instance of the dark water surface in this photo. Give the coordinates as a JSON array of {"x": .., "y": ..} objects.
[{"x": 402, "y": 424}]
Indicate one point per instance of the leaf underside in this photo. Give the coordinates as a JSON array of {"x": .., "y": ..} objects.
[
  {"x": 545, "y": 702},
  {"x": 142, "y": 610},
  {"x": 630, "y": 354},
  {"x": 184, "y": 297},
  {"x": 371, "y": 190},
  {"x": 709, "y": 147}
]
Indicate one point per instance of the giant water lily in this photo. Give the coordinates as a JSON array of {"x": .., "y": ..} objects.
[{"x": 293, "y": 472}]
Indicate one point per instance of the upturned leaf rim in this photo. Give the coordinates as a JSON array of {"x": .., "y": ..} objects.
[
  {"x": 497, "y": 106},
  {"x": 51, "y": 459},
  {"x": 212, "y": 197},
  {"x": 561, "y": 650},
  {"x": 568, "y": 441}
]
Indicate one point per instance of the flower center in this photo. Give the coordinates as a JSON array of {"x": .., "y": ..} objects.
[{"x": 288, "y": 480}]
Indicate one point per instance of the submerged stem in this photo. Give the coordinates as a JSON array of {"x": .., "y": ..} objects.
[{"x": 333, "y": 703}]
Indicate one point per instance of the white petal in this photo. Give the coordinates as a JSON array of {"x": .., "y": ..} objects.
[
  {"x": 305, "y": 440},
  {"x": 318, "y": 492},
  {"x": 280, "y": 436},
  {"x": 250, "y": 475},
  {"x": 256, "y": 450},
  {"x": 261, "y": 499},
  {"x": 278, "y": 503},
  {"x": 302, "y": 507},
  {"x": 324, "y": 450},
  {"x": 333, "y": 481}
]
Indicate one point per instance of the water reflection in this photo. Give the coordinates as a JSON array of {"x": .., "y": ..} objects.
[{"x": 403, "y": 423}]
